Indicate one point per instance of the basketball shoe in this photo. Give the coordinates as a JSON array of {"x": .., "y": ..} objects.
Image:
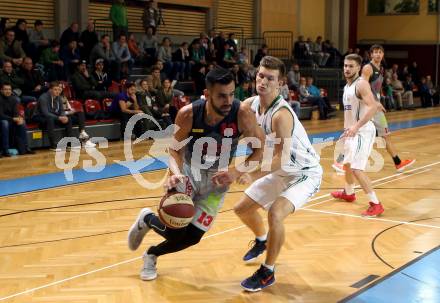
[
  {"x": 262, "y": 278},
  {"x": 374, "y": 210},
  {"x": 257, "y": 249},
  {"x": 405, "y": 164},
  {"x": 138, "y": 229},
  {"x": 343, "y": 196},
  {"x": 149, "y": 271}
]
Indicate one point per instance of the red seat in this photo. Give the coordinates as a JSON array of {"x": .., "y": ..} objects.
[
  {"x": 106, "y": 103},
  {"x": 29, "y": 111},
  {"x": 76, "y": 105},
  {"x": 21, "y": 111},
  {"x": 92, "y": 106}
]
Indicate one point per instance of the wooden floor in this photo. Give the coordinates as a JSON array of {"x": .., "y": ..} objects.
[{"x": 68, "y": 244}]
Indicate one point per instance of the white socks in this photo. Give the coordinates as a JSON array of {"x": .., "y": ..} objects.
[
  {"x": 262, "y": 238},
  {"x": 373, "y": 197},
  {"x": 349, "y": 189},
  {"x": 271, "y": 267}
]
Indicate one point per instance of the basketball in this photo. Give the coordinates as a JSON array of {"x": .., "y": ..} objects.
[{"x": 176, "y": 210}]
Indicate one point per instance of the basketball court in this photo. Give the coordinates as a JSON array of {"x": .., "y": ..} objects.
[{"x": 66, "y": 241}]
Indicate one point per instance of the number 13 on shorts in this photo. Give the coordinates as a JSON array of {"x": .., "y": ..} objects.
[{"x": 202, "y": 219}]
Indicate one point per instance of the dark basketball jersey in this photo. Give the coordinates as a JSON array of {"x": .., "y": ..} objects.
[
  {"x": 376, "y": 80},
  {"x": 217, "y": 143}
]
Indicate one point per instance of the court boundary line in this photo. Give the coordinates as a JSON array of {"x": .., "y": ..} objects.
[{"x": 229, "y": 230}]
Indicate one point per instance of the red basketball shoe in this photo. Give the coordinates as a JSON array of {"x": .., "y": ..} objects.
[
  {"x": 374, "y": 210},
  {"x": 343, "y": 196},
  {"x": 405, "y": 164}
]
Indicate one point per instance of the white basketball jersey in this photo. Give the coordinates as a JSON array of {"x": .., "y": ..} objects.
[
  {"x": 303, "y": 156},
  {"x": 354, "y": 109}
]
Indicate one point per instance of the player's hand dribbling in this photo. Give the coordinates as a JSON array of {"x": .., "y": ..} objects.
[
  {"x": 173, "y": 180},
  {"x": 225, "y": 178}
]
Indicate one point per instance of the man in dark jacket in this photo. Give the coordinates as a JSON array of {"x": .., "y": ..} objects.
[
  {"x": 33, "y": 82},
  {"x": 12, "y": 124},
  {"x": 85, "y": 85},
  {"x": 50, "y": 112}
]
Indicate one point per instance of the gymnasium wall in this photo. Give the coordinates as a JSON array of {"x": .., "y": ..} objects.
[
  {"x": 312, "y": 18},
  {"x": 403, "y": 29},
  {"x": 280, "y": 15}
]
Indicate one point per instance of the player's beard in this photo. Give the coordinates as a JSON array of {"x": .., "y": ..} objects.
[{"x": 219, "y": 111}]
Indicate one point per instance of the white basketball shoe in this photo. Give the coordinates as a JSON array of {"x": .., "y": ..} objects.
[{"x": 138, "y": 229}]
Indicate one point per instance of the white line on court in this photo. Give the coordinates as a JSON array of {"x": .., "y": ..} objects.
[
  {"x": 368, "y": 218},
  {"x": 239, "y": 227}
]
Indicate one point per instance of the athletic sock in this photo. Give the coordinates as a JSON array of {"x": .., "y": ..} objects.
[
  {"x": 373, "y": 197},
  {"x": 270, "y": 267},
  {"x": 262, "y": 238},
  {"x": 396, "y": 160},
  {"x": 349, "y": 189}
]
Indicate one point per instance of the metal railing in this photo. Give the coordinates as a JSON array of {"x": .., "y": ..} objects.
[
  {"x": 329, "y": 78},
  {"x": 280, "y": 43}
]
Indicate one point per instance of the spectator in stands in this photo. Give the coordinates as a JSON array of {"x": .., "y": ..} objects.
[
  {"x": 408, "y": 84},
  {"x": 400, "y": 93},
  {"x": 293, "y": 77},
  {"x": 71, "y": 56},
  {"x": 149, "y": 45},
  {"x": 159, "y": 65},
  {"x": 181, "y": 59},
  {"x": 103, "y": 50},
  {"x": 219, "y": 45},
  {"x": 405, "y": 72},
  {"x": 318, "y": 92},
  {"x": 118, "y": 17},
  {"x": 306, "y": 96},
  {"x": 391, "y": 71},
  {"x": 260, "y": 54},
  {"x": 89, "y": 38},
  {"x": 388, "y": 94},
  {"x": 164, "y": 54},
  {"x": 164, "y": 102},
  {"x": 37, "y": 40},
  {"x": 50, "y": 113},
  {"x": 85, "y": 85},
  {"x": 244, "y": 73},
  {"x": 70, "y": 34},
  {"x": 414, "y": 72},
  {"x": 78, "y": 118},
  {"x": 197, "y": 54},
  {"x": 21, "y": 35},
  {"x": 156, "y": 82},
  {"x": 123, "y": 58},
  {"x": 3, "y": 25},
  {"x": 232, "y": 43},
  {"x": 138, "y": 54},
  {"x": 12, "y": 124},
  {"x": 285, "y": 92},
  {"x": 425, "y": 94},
  {"x": 242, "y": 92},
  {"x": 319, "y": 56},
  {"x": 10, "y": 49},
  {"x": 243, "y": 56},
  {"x": 9, "y": 76},
  {"x": 146, "y": 104},
  {"x": 235, "y": 69},
  {"x": 228, "y": 58},
  {"x": 199, "y": 76},
  {"x": 102, "y": 79},
  {"x": 300, "y": 49},
  {"x": 433, "y": 90},
  {"x": 33, "y": 82},
  {"x": 125, "y": 106},
  {"x": 52, "y": 63},
  {"x": 150, "y": 17}
]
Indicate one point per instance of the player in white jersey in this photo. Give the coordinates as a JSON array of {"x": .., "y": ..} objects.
[
  {"x": 292, "y": 177},
  {"x": 359, "y": 134}
]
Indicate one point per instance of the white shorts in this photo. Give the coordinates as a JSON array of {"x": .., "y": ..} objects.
[
  {"x": 296, "y": 188},
  {"x": 357, "y": 149}
]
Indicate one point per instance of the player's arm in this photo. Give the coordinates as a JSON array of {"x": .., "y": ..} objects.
[
  {"x": 363, "y": 91},
  {"x": 282, "y": 126},
  {"x": 177, "y": 148},
  {"x": 367, "y": 71}
]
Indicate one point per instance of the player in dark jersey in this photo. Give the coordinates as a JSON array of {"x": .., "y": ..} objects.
[
  {"x": 373, "y": 73},
  {"x": 200, "y": 167}
]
